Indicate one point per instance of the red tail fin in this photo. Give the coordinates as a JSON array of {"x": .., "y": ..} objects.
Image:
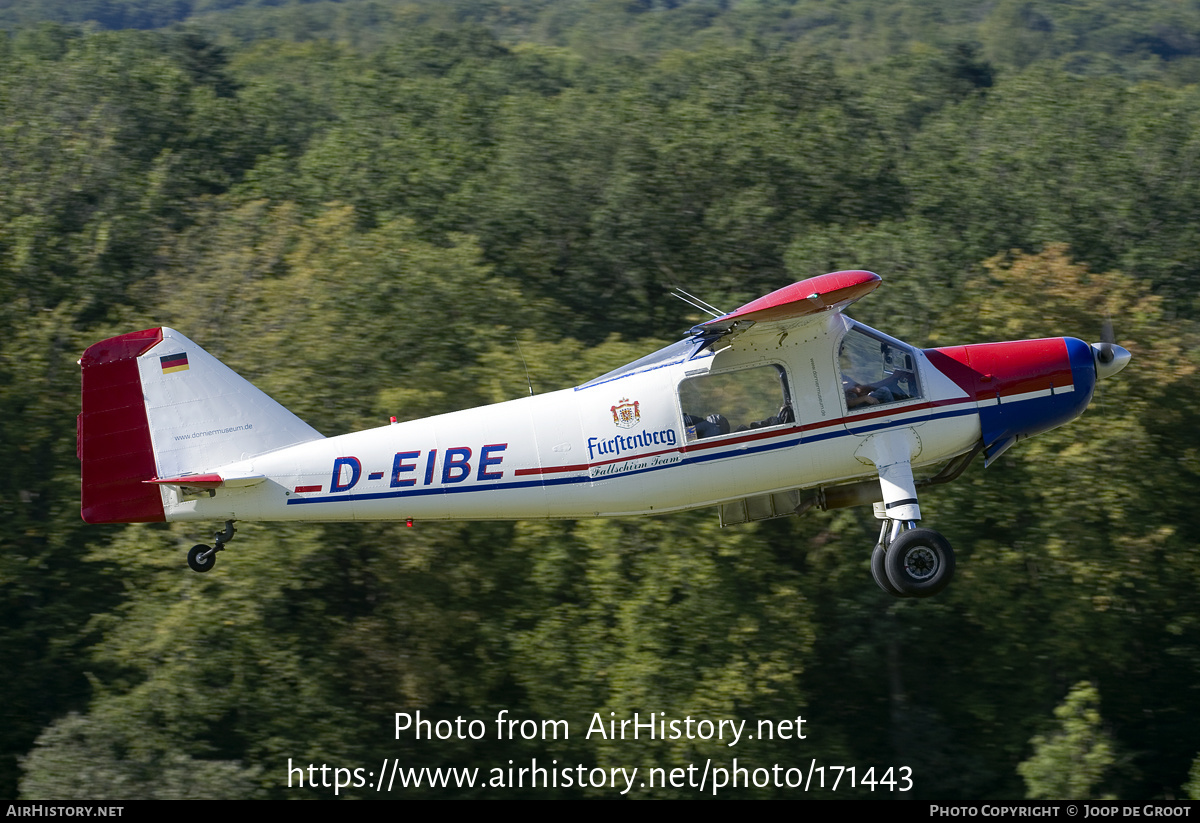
[{"x": 157, "y": 408}]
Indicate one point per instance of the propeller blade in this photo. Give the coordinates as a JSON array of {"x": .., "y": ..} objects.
[{"x": 1105, "y": 354}]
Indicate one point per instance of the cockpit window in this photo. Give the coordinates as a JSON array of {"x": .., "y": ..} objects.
[
  {"x": 876, "y": 371},
  {"x": 735, "y": 401}
]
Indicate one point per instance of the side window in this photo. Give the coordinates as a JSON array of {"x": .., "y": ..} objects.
[
  {"x": 716, "y": 404},
  {"x": 876, "y": 371}
]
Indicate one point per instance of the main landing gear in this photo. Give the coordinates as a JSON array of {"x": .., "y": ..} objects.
[
  {"x": 201, "y": 558},
  {"x": 911, "y": 562},
  {"x": 907, "y": 561}
]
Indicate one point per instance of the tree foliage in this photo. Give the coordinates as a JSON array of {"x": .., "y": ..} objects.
[{"x": 1070, "y": 763}]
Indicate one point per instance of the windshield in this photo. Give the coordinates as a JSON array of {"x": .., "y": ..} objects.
[{"x": 685, "y": 349}]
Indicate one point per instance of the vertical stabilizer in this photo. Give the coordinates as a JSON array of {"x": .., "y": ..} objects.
[{"x": 156, "y": 405}]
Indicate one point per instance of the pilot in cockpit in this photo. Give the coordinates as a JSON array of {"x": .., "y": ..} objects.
[
  {"x": 859, "y": 395},
  {"x": 869, "y": 375}
]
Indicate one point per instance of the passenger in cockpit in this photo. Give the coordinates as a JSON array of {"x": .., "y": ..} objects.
[{"x": 710, "y": 426}]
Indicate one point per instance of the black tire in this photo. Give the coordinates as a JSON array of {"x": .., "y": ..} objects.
[
  {"x": 198, "y": 565},
  {"x": 920, "y": 563},
  {"x": 880, "y": 573}
]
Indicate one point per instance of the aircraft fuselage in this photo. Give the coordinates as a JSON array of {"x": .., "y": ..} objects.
[{"x": 638, "y": 441}]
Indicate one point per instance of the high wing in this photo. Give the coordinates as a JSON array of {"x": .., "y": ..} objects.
[{"x": 790, "y": 307}]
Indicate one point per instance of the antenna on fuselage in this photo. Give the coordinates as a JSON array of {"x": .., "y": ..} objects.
[
  {"x": 528, "y": 379},
  {"x": 697, "y": 303}
]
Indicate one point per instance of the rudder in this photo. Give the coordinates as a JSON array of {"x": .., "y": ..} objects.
[{"x": 113, "y": 434}]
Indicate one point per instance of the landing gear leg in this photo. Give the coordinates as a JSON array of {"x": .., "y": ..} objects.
[
  {"x": 907, "y": 561},
  {"x": 201, "y": 558}
]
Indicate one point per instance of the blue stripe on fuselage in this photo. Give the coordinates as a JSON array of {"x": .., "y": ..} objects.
[{"x": 692, "y": 457}]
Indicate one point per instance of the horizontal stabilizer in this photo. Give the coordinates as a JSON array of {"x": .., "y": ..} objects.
[
  {"x": 197, "y": 481},
  {"x": 209, "y": 481}
]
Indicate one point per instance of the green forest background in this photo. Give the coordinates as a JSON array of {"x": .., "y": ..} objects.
[{"x": 362, "y": 206}]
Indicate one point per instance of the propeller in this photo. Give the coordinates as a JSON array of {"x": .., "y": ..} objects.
[{"x": 1108, "y": 357}]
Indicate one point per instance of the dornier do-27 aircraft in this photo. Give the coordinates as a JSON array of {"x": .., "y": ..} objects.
[{"x": 778, "y": 407}]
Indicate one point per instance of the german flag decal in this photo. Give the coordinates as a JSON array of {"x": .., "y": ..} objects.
[{"x": 174, "y": 362}]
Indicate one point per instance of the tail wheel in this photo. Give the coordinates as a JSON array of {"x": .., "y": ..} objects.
[
  {"x": 919, "y": 563},
  {"x": 202, "y": 558}
]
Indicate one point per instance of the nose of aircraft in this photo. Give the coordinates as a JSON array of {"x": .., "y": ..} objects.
[{"x": 1109, "y": 358}]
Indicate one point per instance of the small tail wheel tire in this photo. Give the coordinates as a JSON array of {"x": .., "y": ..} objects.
[
  {"x": 198, "y": 565},
  {"x": 919, "y": 563},
  {"x": 880, "y": 573}
]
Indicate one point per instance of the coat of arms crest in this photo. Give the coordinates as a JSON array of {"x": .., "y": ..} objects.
[{"x": 626, "y": 414}]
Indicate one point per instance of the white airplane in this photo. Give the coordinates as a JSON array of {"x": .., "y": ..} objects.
[{"x": 781, "y": 406}]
